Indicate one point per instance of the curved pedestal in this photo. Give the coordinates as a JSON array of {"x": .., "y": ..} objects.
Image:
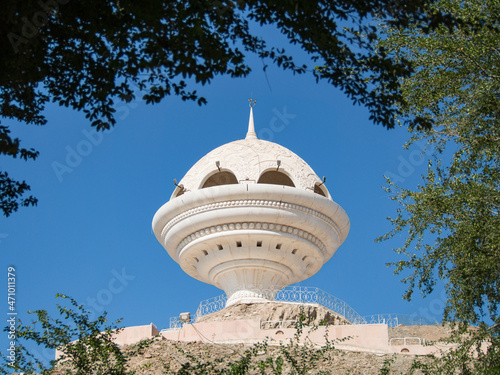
[{"x": 251, "y": 239}]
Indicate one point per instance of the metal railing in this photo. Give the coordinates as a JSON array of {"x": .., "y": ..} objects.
[
  {"x": 176, "y": 324},
  {"x": 304, "y": 294},
  {"x": 407, "y": 341},
  {"x": 211, "y": 305},
  {"x": 296, "y": 294},
  {"x": 394, "y": 320},
  {"x": 311, "y": 295}
]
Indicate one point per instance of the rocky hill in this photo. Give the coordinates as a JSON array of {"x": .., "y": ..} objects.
[
  {"x": 277, "y": 311},
  {"x": 160, "y": 356}
]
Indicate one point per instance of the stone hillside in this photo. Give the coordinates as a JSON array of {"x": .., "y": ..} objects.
[
  {"x": 429, "y": 333},
  {"x": 160, "y": 356},
  {"x": 277, "y": 311}
]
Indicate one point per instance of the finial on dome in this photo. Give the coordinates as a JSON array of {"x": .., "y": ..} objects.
[{"x": 251, "y": 128}]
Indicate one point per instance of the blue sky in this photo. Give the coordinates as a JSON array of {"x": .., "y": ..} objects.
[{"x": 90, "y": 236}]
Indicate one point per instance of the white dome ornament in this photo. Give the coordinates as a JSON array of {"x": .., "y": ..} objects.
[{"x": 251, "y": 217}]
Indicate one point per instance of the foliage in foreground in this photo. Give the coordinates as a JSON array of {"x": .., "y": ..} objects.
[
  {"x": 298, "y": 356},
  {"x": 86, "y": 346},
  {"x": 478, "y": 354},
  {"x": 88, "y": 349},
  {"x": 452, "y": 217},
  {"x": 90, "y": 55}
]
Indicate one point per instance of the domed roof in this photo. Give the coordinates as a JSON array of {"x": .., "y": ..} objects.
[{"x": 251, "y": 160}]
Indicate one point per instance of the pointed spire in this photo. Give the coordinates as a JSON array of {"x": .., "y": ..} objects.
[{"x": 251, "y": 128}]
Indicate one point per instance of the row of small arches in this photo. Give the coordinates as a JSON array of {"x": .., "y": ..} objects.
[
  {"x": 269, "y": 177},
  {"x": 228, "y": 178}
]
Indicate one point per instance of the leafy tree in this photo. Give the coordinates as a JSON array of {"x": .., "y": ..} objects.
[
  {"x": 299, "y": 356},
  {"x": 478, "y": 354},
  {"x": 88, "y": 55},
  {"x": 11, "y": 194},
  {"x": 86, "y": 346},
  {"x": 452, "y": 217}
]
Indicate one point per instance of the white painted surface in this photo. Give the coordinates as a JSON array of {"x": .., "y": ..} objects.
[{"x": 250, "y": 239}]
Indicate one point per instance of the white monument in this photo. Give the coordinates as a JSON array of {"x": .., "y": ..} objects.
[{"x": 251, "y": 217}]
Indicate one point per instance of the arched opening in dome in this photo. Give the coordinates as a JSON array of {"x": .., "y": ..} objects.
[
  {"x": 179, "y": 190},
  {"x": 275, "y": 178},
  {"x": 220, "y": 178},
  {"x": 319, "y": 190}
]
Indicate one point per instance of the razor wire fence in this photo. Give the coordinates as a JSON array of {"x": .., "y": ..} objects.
[{"x": 316, "y": 296}]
